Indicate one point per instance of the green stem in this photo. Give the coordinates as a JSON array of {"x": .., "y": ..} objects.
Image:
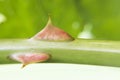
[{"x": 79, "y": 51}]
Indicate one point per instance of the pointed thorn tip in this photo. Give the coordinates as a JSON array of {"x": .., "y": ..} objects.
[{"x": 24, "y": 65}]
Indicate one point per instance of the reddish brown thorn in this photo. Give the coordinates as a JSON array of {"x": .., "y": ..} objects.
[
  {"x": 28, "y": 58},
  {"x": 52, "y": 33}
]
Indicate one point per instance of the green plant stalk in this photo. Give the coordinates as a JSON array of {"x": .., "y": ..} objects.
[{"x": 96, "y": 52}]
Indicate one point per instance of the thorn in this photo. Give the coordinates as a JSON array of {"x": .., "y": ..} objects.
[
  {"x": 52, "y": 33},
  {"x": 29, "y": 58}
]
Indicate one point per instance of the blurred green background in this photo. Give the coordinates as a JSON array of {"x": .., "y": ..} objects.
[{"x": 92, "y": 19}]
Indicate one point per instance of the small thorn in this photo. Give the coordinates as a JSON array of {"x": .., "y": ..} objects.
[
  {"x": 29, "y": 58},
  {"x": 52, "y": 33}
]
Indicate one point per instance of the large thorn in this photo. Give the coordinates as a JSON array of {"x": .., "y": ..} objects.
[{"x": 52, "y": 33}]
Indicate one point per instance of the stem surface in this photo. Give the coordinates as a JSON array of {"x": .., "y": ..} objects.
[{"x": 79, "y": 51}]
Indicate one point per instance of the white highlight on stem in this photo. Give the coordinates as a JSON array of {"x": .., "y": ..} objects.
[
  {"x": 87, "y": 32},
  {"x": 2, "y": 18}
]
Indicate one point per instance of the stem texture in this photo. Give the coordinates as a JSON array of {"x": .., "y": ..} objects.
[{"x": 96, "y": 52}]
